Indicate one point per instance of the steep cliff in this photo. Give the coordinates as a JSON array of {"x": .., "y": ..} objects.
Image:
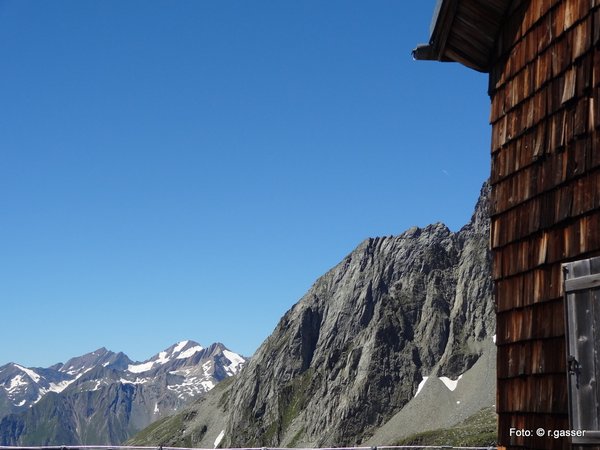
[{"x": 351, "y": 353}]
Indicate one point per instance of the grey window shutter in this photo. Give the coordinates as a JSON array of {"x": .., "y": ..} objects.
[{"x": 582, "y": 313}]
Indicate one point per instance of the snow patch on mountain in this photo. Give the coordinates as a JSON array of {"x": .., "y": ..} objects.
[
  {"x": 136, "y": 381},
  {"x": 190, "y": 352},
  {"x": 207, "y": 385},
  {"x": 191, "y": 387},
  {"x": 62, "y": 385},
  {"x": 161, "y": 359},
  {"x": 30, "y": 373},
  {"x": 76, "y": 371},
  {"x": 180, "y": 346},
  {"x": 420, "y": 386},
  {"x": 450, "y": 384},
  {"x": 219, "y": 438},
  {"x": 236, "y": 362},
  {"x": 15, "y": 383},
  {"x": 140, "y": 368}
]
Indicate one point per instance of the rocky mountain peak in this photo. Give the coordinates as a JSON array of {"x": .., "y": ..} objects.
[
  {"x": 78, "y": 365},
  {"x": 352, "y": 353},
  {"x": 480, "y": 220}
]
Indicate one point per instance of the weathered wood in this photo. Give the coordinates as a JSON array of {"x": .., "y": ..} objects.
[
  {"x": 582, "y": 283},
  {"x": 546, "y": 199},
  {"x": 582, "y": 320},
  {"x": 544, "y": 87}
]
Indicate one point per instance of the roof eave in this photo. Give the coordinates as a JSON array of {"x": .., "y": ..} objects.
[
  {"x": 439, "y": 48},
  {"x": 443, "y": 16}
]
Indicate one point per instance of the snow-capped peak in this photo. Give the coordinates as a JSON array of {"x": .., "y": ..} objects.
[
  {"x": 181, "y": 350},
  {"x": 236, "y": 362}
]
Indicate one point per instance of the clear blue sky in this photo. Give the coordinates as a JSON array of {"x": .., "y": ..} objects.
[{"x": 186, "y": 170}]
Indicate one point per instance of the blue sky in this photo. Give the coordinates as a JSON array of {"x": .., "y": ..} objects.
[{"x": 186, "y": 170}]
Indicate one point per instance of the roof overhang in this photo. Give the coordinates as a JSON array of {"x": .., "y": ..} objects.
[{"x": 464, "y": 31}]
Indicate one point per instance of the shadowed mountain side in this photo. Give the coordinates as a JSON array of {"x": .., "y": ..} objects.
[{"x": 437, "y": 407}]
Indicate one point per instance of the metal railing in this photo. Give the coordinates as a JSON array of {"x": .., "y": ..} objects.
[{"x": 129, "y": 447}]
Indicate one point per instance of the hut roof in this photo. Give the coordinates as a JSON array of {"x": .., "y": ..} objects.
[{"x": 464, "y": 31}]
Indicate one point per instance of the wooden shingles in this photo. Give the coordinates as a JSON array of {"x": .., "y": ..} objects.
[
  {"x": 545, "y": 206},
  {"x": 517, "y": 199},
  {"x": 544, "y": 65},
  {"x": 527, "y": 289},
  {"x": 535, "y": 394},
  {"x": 526, "y": 324}
]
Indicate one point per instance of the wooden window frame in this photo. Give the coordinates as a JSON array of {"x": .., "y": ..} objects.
[{"x": 582, "y": 333}]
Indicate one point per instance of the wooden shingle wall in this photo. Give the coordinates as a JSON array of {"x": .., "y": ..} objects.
[{"x": 545, "y": 92}]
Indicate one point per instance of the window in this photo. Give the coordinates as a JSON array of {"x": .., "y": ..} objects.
[{"x": 582, "y": 309}]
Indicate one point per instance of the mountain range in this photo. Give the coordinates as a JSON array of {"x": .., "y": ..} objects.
[
  {"x": 104, "y": 397},
  {"x": 395, "y": 339}
]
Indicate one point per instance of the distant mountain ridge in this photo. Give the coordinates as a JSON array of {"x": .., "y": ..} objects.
[
  {"x": 104, "y": 397},
  {"x": 22, "y": 387}
]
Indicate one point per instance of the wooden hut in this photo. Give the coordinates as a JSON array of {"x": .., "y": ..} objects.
[{"x": 543, "y": 60}]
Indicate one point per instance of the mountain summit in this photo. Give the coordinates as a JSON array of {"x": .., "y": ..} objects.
[
  {"x": 103, "y": 397},
  {"x": 352, "y": 353}
]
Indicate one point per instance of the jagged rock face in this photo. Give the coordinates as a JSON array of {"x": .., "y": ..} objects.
[
  {"x": 472, "y": 318},
  {"x": 352, "y": 351},
  {"x": 104, "y": 397}
]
